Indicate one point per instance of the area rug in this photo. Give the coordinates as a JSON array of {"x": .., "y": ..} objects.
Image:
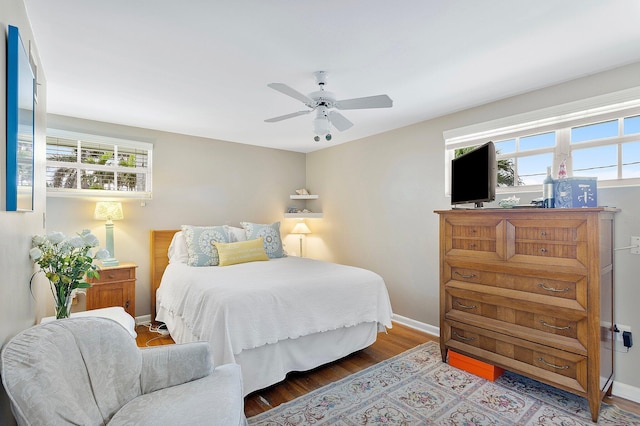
[{"x": 417, "y": 388}]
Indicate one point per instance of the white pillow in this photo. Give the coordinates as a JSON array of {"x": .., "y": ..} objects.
[
  {"x": 178, "y": 252},
  {"x": 236, "y": 234}
]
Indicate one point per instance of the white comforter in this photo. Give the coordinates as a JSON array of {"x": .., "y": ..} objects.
[{"x": 248, "y": 305}]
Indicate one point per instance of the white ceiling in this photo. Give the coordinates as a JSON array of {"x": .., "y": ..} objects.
[{"x": 202, "y": 67}]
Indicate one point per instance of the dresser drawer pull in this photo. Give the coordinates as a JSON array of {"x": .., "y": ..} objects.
[
  {"x": 472, "y": 245},
  {"x": 555, "y": 290},
  {"x": 111, "y": 276},
  {"x": 543, "y": 250},
  {"x": 468, "y": 339},
  {"x": 555, "y": 327},
  {"x": 465, "y": 306},
  {"x": 543, "y": 233},
  {"x": 465, "y": 276},
  {"x": 557, "y": 367}
]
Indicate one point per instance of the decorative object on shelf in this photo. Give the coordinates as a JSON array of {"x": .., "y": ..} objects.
[
  {"x": 507, "y": 203},
  {"x": 109, "y": 211},
  {"x": 302, "y": 191},
  {"x": 297, "y": 210},
  {"x": 66, "y": 261},
  {"x": 301, "y": 229}
]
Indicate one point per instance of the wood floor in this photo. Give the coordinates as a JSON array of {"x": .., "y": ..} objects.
[{"x": 396, "y": 341}]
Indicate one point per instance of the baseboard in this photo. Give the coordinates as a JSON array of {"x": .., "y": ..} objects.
[
  {"x": 625, "y": 391},
  {"x": 620, "y": 390},
  {"x": 408, "y": 322},
  {"x": 143, "y": 319}
]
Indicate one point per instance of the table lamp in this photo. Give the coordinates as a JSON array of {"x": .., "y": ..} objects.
[
  {"x": 109, "y": 211},
  {"x": 301, "y": 228}
]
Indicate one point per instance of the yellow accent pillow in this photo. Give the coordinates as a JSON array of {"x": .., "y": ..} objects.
[{"x": 241, "y": 252}]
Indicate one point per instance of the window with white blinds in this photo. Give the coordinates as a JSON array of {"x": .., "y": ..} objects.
[
  {"x": 597, "y": 137},
  {"x": 91, "y": 165}
]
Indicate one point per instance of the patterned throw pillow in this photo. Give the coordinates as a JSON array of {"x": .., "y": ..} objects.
[
  {"x": 269, "y": 233},
  {"x": 200, "y": 239}
]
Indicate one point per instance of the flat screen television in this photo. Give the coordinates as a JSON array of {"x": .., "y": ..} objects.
[{"x": 474, "y": 176}]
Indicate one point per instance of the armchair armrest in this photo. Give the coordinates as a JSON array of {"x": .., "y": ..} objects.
[{"x": 170, "y": 365}]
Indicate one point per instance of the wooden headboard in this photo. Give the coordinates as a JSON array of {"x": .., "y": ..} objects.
[{"x": 160, "y": 240}]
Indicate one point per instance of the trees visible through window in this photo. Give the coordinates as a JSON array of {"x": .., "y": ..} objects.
[{"x": 86, "y": 164}]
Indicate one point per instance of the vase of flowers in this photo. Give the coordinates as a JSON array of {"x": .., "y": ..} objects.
[{"x": 66, "y": 261}]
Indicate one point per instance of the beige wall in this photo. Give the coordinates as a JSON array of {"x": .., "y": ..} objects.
[
  {"x": 196, "y": 181},
  {"x": 17, "y": 306},
  {"x": 378, "y": 195}
]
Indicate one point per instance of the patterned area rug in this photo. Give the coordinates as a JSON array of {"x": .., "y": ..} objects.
[{"x": 416, "y": 388}]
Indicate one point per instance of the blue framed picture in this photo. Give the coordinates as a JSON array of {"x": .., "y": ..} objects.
[{"x": 20, "y": 125}]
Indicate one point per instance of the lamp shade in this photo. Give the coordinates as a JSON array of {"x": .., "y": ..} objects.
[
  {"x": 301, "y": 228},
  {"x": 108, "y": 210}
]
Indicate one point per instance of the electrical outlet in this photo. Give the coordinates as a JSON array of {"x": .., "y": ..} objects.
[{"x": 635, "y": 241}]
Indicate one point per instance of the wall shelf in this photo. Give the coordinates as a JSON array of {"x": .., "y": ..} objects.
[{"x": 303, "y": 215}]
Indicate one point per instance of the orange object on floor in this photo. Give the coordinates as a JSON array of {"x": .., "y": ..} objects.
[{"x": 473, "y": 366}]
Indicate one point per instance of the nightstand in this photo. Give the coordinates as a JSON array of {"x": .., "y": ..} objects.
[{"x": 116, "y": 287}]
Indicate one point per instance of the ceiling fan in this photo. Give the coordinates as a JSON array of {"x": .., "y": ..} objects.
[{"x": 323, "y": 103}]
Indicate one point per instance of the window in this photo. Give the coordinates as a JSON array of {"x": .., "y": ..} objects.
[
  {"x": 601, "y": 140},
  {"x": 91, "y": 165}
]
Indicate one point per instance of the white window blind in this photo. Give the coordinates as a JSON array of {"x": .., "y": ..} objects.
[{"x": 81, "y": 164}]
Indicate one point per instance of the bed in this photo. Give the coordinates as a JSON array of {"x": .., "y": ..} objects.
[{"x": 271, "y": 317}]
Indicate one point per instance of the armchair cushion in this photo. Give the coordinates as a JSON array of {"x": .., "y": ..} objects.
[
  {"x": 214, "y": 400},
  {"x": 171, "y": 365},
  {"x": 89, "y": 371}
]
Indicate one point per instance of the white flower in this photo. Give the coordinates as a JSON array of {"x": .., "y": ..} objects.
[
  {"x": 76, "y": 242},
  {"x": 38, "y": 239},
  {"x": 35, "y": 253},
  {"x": 102, "y": 254},
  {"x": 56, "y": 237},
  {"x": 89, "y": 239}
]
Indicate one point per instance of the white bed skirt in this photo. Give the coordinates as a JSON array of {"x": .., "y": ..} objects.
[{"x": 269, "y": 364}]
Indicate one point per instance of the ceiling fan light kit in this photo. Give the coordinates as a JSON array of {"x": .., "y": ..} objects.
[{"x": 323, "y": 102}]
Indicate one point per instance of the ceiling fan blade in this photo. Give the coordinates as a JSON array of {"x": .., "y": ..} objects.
[
  {"x": 283, "y": 88},
  {"x": 284, "y": 117},
  {"x": 339, "y": 121},
  {"x": 378, "y": 101}
]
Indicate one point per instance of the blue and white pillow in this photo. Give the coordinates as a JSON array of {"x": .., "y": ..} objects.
[
  {"x": 200, "y": 247},
  {"x": 270, "y": 235}
]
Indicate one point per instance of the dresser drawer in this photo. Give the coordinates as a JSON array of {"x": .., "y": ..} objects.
[
  {"x": 110, "y": 275},
  {"x": 482, "y": 239},
  {"x": 538, "y": 322},
  {"x": 549, "y": 364},
  {"x": 560, "y": 242},
  {"x": 566, "y": 286}
]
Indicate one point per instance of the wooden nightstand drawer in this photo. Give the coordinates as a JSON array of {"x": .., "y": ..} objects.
[
  {"x": 109, "y": 275},
  {"x": 116, "y": 287}
]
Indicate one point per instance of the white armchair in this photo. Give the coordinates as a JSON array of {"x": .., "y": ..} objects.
[{"x": 88, "y": 371}]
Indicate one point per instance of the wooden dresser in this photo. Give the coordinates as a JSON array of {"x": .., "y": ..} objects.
[
  {"x": 531, "y": 291},
  {"x": 116, "y": 287}
]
